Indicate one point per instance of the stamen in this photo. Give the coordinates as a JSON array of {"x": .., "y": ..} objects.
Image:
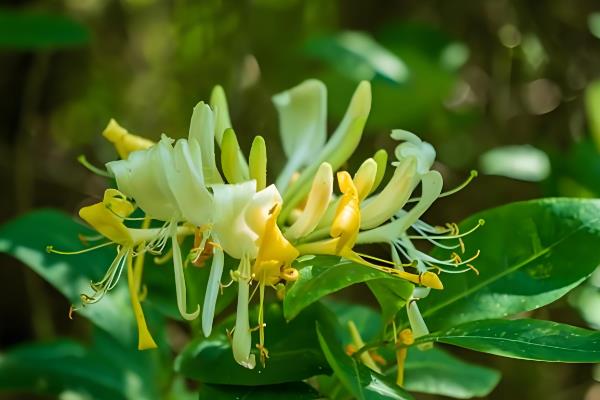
[
  {"x": 473, "y": 268},
  {"x": 83, "y": 161},
  {"x": 51, "y": 249},
  {"x": 163, "y": 259},
  {"x": 384, "y": 261},
  {"x": 431, "y": 240},
  {"x": 460, "y": 187},
  {"x": 86, "y": 239}
]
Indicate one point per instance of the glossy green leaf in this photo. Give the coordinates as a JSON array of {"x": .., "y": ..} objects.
[
  {"x": 367, "y": 319},
  {"x": 527, "y": 339},
  {"x": 288, "y": 391},
  {"x": 51, "y": 368},
  {"x": 107, "y": 370},
  {"x": 322, "y": 275},
  {"x": 26, "y": 239},
  {"x": 362, "y": 382},
  {"x": 294, "y": 351},
  {"x": 437, "y": 372},
  {"x": 391, "y": 296},
  {"x": 532, "y": 253},
  {"x": 358, "y": 56},
  {"x": 433, "y": 371},
  {"x": 29, "y": 30}
]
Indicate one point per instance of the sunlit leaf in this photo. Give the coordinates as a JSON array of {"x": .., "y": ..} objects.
[
  {"x": 294, "y": 351},
  {"x": 436, "y": 372},
  {"x": 433, "y": 371},
  {"x": 29, "y": 30},
  {"x": 391, "y": 296},
  {"x": 26, "y": 239},
  {"x": 358, "y": 56},
  {"x": 532, "y": 253},
  {"x": 518, "y": 162},
  {"x": 527, "y": 339},
  {"x": 362, "y": 382},
  {"x": 107, "y": 370},
  {"x": 322, "y": 275}
]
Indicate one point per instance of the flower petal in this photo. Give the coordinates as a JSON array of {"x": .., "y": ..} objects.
[
  {"x": 202, "y": 129},
  {"x": 212, "y": 289},
  {"x": 302, "y": 125},
  {"x": 236, "y": 236},
  {"x": 316, "y": 204},
  {"x": 338, "y": 149}
]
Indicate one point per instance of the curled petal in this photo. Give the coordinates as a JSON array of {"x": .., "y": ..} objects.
[
  {"x": 414, "y": 146},
  {"x": 202, "y": 129},
  {"x": 364, "y": 179},
  {"x": 212, "y": 290},
  {"x": 124, "y": 142},
  {"x": 242, "y": 337},
  {"x": 316, "y": 205},
  {"x": 393, "y": 197},
  {"x": 180, "y": 281},
  {"x": 302, "y": 125},
  {"x": 338, "y": 149},
  {"x": 347, "y": 217}
]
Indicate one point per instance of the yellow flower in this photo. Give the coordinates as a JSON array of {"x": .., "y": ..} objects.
[
  {"x": 124, "y": 142},
  {"x": 107, "y": 217}
]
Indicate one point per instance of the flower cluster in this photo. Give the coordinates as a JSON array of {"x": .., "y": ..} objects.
[{"x": 314, "y": 208}]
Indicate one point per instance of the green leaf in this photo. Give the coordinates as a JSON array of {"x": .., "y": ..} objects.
[
  {"x": 523, "y": 162},
  {"x": 28, "y": 30},
  {"x": 358, "y": 56},
  {"x": 26, "y": 239},
  {"x": 527, "y": 339},
  {"x": 322, "y": 275},
  {"x": 289, "y": 391},
  {"x": 51, "y": 368},
  {"x": 437, "y": 372},
  {"x": 294, "y": 351},
  {"x": 362, "y": 382},
  {"x": 532, "y": 253},
  {"x": 433, "y": 371},
  {"x": 367, "y": 320},
  {"x": 105, "y": 371},
  {"x": 391, "y": 296}
]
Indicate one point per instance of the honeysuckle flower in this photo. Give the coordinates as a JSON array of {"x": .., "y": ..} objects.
[
  {"x": 233, "y": 210},
  {"x": 272, "y": 264},
  {"x": 302, "y": 125},
  {"x": 336, "y": 150},
  {"x": 168, "y": 184},
  {"x": 124, "y": 142},
  {"x": 344, "y": 229},
  {"x": 316, "y": 204},
  {"x": 108, "y": 218}
]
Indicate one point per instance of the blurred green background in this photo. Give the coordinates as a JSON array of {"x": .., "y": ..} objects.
[{"x": 467, "y": 76}]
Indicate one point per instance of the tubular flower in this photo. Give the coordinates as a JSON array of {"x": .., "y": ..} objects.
[
  {"x": 124, "y": 142},
  {"x": 108, "y": 218},
  {"x": 230, "y": 208}
]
